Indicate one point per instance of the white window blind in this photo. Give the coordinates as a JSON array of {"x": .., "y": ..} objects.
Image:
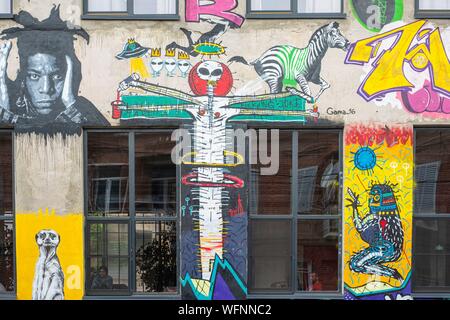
[
  {"x": 434, "y": 4},
  {"x": 319, "y": 6},
  {"x": 154, "y": 6},
  {"x": 426, "y": 176},
  {"x": 5, "y": 6},
  {"x": 271, "y": 5},
  {"x": 107, "y": 5}
]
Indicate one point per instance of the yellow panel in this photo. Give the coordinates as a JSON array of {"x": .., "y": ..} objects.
[{"x": 70, "y": 250}]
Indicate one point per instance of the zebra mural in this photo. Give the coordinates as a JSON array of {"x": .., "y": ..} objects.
[{"x": 284, "y": 66}]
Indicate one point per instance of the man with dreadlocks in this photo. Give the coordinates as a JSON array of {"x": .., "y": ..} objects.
[
  {"x": 45, "y": 90},
  {"x": 382, "y": 229}
]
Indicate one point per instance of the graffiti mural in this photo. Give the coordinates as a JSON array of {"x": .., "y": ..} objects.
[
  {"x": 285, "y": 67},
  {"x": 406, "y": 66},
  {"x": 378, "y": 213},
  {"x": 213, "y": 195},
  {"x": 44, "y": 95},
  {"x": 375, "y": 14},
  {"x": 48, "y": 281}
]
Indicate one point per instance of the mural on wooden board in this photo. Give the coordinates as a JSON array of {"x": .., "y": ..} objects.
[
  {"x": 44, "y": 96},
  {"x": 378, "y": 188}
]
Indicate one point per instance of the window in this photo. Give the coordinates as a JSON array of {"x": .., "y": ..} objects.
[
  {"x": 295, "y": 9},
  {"x": 432, "y": 9},
  {"x": 431, "y": 247},
  {"x": 7, "y": 283},
  {"x": 296, "y": 216},
  {"x": 6, "y": 9},
  {"x": 131, "y": 213},
  {"x": 131, "y": 9}
]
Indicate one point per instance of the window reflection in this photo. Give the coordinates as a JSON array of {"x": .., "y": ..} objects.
[
  {"x": 108, "y": 256},
  {"x": 6, "y": 257},
  {"x": 318, "y": 173},
  {"x": 108, "y": 174},
  {"x": 270, "y": 259},
  {"x": 156, "y": 257},
  {"x": 271, "y": 194},
  {"x": 317, "y": 255},
  {"x": 155, "y": 175}
]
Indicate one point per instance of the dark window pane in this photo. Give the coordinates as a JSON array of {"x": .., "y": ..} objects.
[
  {"x": 318, "y": 172},
  {"x": 108, "y": 247},
  {"x": 432, "y": 171},
  {"x": 317, "y": 254},
  {"x": 270, "y": 257},
  {"x": 156, "y": 266},
  {"x": 6, "y": 174},
  {"x": 108, "y": 174},
  {"x": 6, "y": 256},
  {"x": 155, "y": 175},
  {"x": 431, "y": 261},
  {"x": 271, "y": 194}
]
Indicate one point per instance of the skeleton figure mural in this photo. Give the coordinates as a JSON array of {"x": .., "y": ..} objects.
[
  {"x": 48, "y": 281},
  {"x": 382, "y": 229},
  {"x": 284, "y": 67},
  {"x": 44, "y": 96}
]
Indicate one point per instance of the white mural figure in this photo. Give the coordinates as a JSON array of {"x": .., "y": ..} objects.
[
  {"x": 183, "y": 64},
  {"x": 156, "y": 63},
  {"x": 210, "y": 113},
  {"x": 170, "y": 63},
  {"x": 48, "y": 281}
]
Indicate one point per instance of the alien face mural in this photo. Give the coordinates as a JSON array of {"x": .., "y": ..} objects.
[{"x": 44, "y": 96}]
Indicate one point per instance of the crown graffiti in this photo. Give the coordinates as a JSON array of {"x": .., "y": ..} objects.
[
  {"x": 170, "y": 53},
  {"x": 156, "y": 52},
  {"x": 183, "y": 55},
  {"x": 131, "y": 40}
]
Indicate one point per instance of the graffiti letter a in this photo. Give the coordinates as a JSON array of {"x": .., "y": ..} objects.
[{"x": 218, "y": 8}]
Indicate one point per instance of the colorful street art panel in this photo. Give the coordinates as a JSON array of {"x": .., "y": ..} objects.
[
  {"x": 378, "y": 192},
  {"x": 50, "y": 256},
  {"x": 406, "y": 66}
]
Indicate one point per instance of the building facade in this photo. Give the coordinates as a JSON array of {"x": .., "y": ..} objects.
[{"x": 230, "y": 150}]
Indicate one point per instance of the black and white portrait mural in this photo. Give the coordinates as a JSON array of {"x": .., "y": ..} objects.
[{"x": 44, "y": 96}]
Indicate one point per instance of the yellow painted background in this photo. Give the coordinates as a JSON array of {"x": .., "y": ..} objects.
[
  {"x": 396, "y": 167},
  {"x": 70, "y": 250}
]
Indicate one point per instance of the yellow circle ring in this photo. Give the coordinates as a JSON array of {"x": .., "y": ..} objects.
[
  {"x": 420, "y": 61},
  {"x": 240, "y": 160}
]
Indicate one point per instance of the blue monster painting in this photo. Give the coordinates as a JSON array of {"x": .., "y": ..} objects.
[{"x": 381, "y": 228}]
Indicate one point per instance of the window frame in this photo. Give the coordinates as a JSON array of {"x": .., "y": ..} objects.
[
  {"x": 11, "y": 295},
  {"x": 437, "y": 216},
  {"x": 132, "y": 220},
  {"x": 294, "y": 217},
  {"x": 129, "y": 15},
  {"x": 293, "y": 14},
  {"x": 429, "y": 14},
  {"x": 9, "y": 15}
]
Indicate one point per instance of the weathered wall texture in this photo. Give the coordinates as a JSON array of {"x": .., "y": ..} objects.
[{"x": 208, "y": 77}]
